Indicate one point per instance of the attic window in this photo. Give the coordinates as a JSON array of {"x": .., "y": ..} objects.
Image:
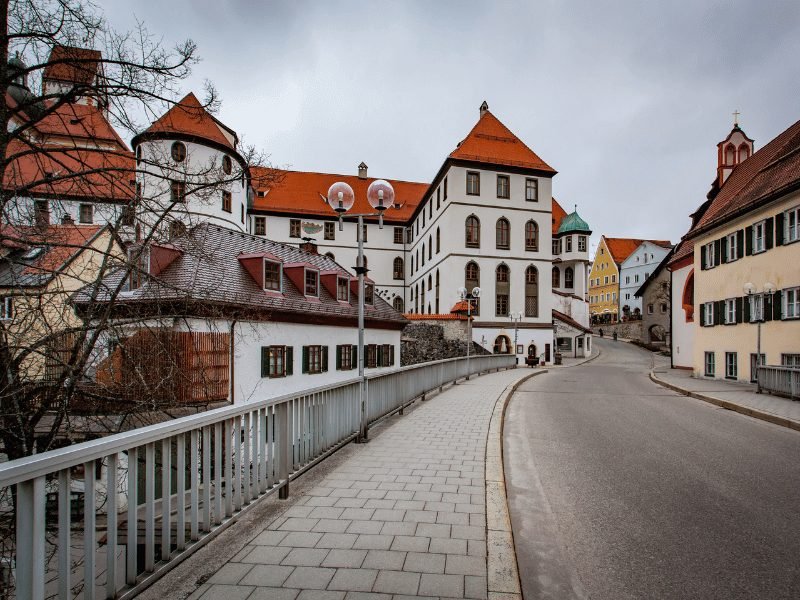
[
  {"x": 342, "y": 289},
  {"x": 312, "y": 283},
  {"x": 227, "y": 165},
  {"x": 272, "y": 276},
  {"x": 139, "y": 259},
  {"x": 369, "y": 293},
  {"x": 178, "y": 151}
]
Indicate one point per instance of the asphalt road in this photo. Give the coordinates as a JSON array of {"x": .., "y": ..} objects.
[{"x": 619, "y": 488}]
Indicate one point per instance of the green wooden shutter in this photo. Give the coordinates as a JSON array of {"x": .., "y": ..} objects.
[
  {"x": 719, "y": 312},
  {"x": 379, "y": 359},
  {"x": 353, "y": 357},
  {"x": 748, "y": 240},
  {"x": 289, "y": 360},
  {"x": 324, "y": 359},
  {"x": 391, "y": 355},
  {"x": 305, "y": 359},
  {"x": 740, "y": 243},
  {"x": 770, "y": 229},
  {"x": 703, "y": 265},
  {"x": 724, "y": 248},
  {"x": 777, "y": 306},
  {"x": 702, "y": 314},
  {"x": 717, "y": 252},
  {"x": 779, "y": 229},
  {"x": 746, "y": 312},
  {"x": 768, "y": 307},
  {"x": 739, "y": 309},
  {"x": 339, "y": 358},
  {"x": 265, "y": 361}
]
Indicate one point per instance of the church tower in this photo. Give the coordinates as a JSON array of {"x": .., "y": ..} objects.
[{"x": 731, "y": 151}]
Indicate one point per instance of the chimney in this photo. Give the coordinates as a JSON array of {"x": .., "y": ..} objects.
[
  {"x": 362, "y": 170},
  {"x": 67, "y": 219},
  {"x": 309, "y": 246},
  {"x": 484, "y": 108}
]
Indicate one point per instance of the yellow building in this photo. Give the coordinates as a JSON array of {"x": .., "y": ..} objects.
[
  {"x": 604, "y": 277},
  {"x": 747, "y": 260},
  {"x": 40, "y": 269}
]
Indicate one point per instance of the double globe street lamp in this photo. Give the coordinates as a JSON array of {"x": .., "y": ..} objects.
[
  {"x": 757, "y": 307},
  {"x": 341, "y": 198},
  {"x": 469, "y": 297}
]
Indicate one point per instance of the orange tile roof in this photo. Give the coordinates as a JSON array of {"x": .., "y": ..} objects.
[
  {"x": 622, "y": 248},
  {"x": 298, "y": 192},
  {"x": 492, "y": 142},
  {"x": 558, "y": 214},
  {"x": 437, "y": 317},
  {"x": 79, "y": 121},
  {"x": 773, "y": 168},
  {"x": 77, "y": 65},
  {"x": 189, "y": 117}
]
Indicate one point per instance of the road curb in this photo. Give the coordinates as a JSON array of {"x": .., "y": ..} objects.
[
  {"x": 744, "y": 410},
  {"x": 501, "y": 559}
]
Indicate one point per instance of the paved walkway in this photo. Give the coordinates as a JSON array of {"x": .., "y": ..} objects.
[
  {"x": 405, "y": 516},
  {"x": 741, "y": 397}
]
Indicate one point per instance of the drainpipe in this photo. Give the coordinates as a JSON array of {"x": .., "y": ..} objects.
[{"x": 231, "y": 359}]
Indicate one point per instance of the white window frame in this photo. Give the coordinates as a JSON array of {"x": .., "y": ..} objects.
[
  {"x": 794, "y": 304},
  {"x": 306, "y": 271},
  {"x": 759, "y": 241},
  {"x": 756, "y": 307},
  {"x": 730, "y": 311},
  {"x": 791, "y": 231},
  {"x": 708, "y": 249},
  {"x": 569, "y": 244},
  {"x": 733, "y": 249},
  {"x": 710, "y": 364},
  {"x": 709, "y": 316},
  {"x": 581, "y": 243},
  {"x": 731, "y": 365},
  {"x": 7, "y": 308}
]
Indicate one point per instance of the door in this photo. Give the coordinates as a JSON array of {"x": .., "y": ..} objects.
[{"x": 547, "y": 353}]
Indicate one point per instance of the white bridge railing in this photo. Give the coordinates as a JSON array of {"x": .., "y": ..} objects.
[
  {"x": 780, "y": 380},
  {"x": 102, "y": 518}
]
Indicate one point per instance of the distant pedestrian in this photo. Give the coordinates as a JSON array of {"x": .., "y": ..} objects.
[
  {"x": 615, "y": 336},
  {"x": 601, "y": 332}
]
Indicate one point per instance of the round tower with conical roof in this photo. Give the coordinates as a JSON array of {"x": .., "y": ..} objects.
[
  {"x": 189, "y": 171},
  {"x": 571, "y": 260}
]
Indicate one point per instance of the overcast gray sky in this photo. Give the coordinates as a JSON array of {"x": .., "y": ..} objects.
[{"x": 626, "y": 99}]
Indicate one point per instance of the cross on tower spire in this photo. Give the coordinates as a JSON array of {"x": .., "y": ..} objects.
[{"x": 736, "y": 114}]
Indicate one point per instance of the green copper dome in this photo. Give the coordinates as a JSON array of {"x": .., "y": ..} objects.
[{"x": 573, "y": 223}]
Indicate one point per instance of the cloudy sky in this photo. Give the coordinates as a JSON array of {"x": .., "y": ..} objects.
[{"x": 626, "y": 99}]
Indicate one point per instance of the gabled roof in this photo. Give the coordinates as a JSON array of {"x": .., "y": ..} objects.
[
  {"x": 492, "y": 142},
  {"x": 59, "y": 244},
  {"x": 298, "y": 193},
  {"x": 622, "y": 248},
  {"x": 209, "y": 275},
  {"x": 770, "y": 172},
  {"x": 80, "y": 123},
  {"x": 72, "y": 65},
  {"x": 559, "y": 316},
  {"x": 188, "y": 117},
  {"x": 558, "y": 215}
]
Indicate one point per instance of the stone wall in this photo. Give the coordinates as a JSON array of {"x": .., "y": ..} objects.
[
  {"x": 424, "y": 342},
  {"x": 631, "y": 330}
]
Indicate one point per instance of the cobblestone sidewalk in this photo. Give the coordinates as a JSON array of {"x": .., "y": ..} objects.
[{"x": 404, "y": 517}]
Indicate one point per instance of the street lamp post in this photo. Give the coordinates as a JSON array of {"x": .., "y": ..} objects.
[
  {"x": 469, "y": 297},
  {"x": 515, "y": 318},
  {"x": 750, "y": 290},
  {"x": 341, "y": 198}
]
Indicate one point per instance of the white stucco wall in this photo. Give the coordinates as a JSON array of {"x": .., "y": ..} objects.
[
  {"x": 635, "y": 270},
  {"x": 683, "y": 333}
]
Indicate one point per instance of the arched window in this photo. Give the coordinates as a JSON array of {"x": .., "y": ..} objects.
[
  {"x": 569, "y": 278},
  {"x": 531, "y": 292},
  {"x": 412, "y": 264},
  {"x": 502, "y": 345},
  {"x": 502, "y": 290},
  {"x": 687, "y": 301},
  {"x": 438, "y": 240},
  {"x": 437, "y": 291},
  {"x": 744, "y": 152},
  {"x": 430, "y": 247},
  {"x": 503, "y": 234},
  {"x": 330, "y": 255},
  {"x": 398, "y": 267},
  {"x": 730, "y": 155},
  {"x": 473, "y": 232},
  {"x": 532, "y": 236},
  {"x": 472, "y": 279},
  {"x": 556, "y": 277},
  {"x": 397, "y": 304},
  {"x": 423, "y": 253},
  {"x": 430, "y": 282}
]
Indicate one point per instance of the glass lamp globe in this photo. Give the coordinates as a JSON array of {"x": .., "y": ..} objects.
[
  {"x": 341, "y": 197},
  {"x": 476, "y": 292},
  {"x": 462, "y": 292},
  {"x": 380, "y": 194}
]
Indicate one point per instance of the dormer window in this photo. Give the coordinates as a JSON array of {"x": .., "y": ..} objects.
[
  {"x": 312, "y": 283},
  {"x": 343, "y": 289},
  {"x": 272, "y": 276},
  {"x": 139, "y": 259},
  {"x": 369, "y": 293},
  {"x": 178, "y": 151}
]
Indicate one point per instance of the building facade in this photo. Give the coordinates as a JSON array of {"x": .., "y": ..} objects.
[{"x": 634, "y": 271}]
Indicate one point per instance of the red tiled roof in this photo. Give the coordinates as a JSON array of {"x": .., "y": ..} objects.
[
  {"x": 75, "y": 65},
  {"x": 492, "y": 142},
  {"x": 570, "y": 321},
  {"x": 298, "y": 192},
  {"x": 685, "y": 248},
  {"x": 70, "y": 172},
  {"x": 773, "y": 168},
  {"x": 622, "y": 248},
  {"x": 79, "y": 121},
  {"x": 558, "y": 214},
  {"x": 189, "y": 117}
]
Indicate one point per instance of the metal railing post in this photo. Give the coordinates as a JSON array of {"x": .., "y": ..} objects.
[
  {"x": 284, "y": 447},
  {"x": 30, "y": 539}
]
